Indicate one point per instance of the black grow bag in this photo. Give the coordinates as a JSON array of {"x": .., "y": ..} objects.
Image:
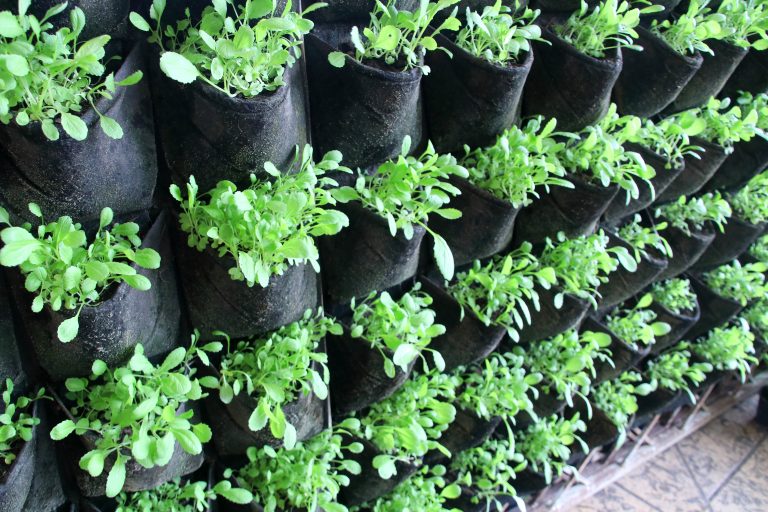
[
  {"x": 619, "y": 208},
  {"x": 686, "y": 250},
  {"x": 465, "y": 341},
  {"x": 729, "y": 244},
  {"x": 660, "y": 401},
  {"x": 469, "y": 100},
  {"x": 67, "y": 177},
  {"x": 550, "y": 321},
  {"x": 544, "y": 406},
  {"x": 365, "y": 257},
  {"x": 16, "y": 479},
  {"x": 697, "y": 172},
  {"x": 569, "y": 85},
  {"x": 467, "y": 431},
  {"x": 715, "y": 309},
  {"x": 10, "y": 360},
  {"x": 574, "y": 211},
  {"x": 623, "y": 355},
  {"x": 750, "y": 76},
  {"x": 651, "y": 79},
  {"x": 747, "y": 160},
  {"x": 679, "y": 325},
  {"x": 358, "y": 374},
  {"x": 101, "y": 16},
  {"x": 111, "y": 329},
  {"x": 714, "y": 72},
  {"x": 362, "y": 110},
  {"x": 351, "y": 10},
  {"x": 485, "y": 227}
]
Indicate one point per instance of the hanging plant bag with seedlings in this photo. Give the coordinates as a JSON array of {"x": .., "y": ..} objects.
[
  {"x": 637, "y": 326},
  {"x": 698, "y": 169},
  {"x": 389, "y": 211},
  {"x": 751, "y": 75},
  {"x": 10, "y": 358},
  {"x": 235, "y": 281},
  {"x": 428, "y": 489},
  {"x": 718, "y": 303},
  {"x": 93, "y": 300},
  {"x": 675, "y": 304},
  {"x": 473, "y": 91},
  {"x": 675, "y": 371},
  {"x": 381, "y": 343},
  {"x": 134, "y": 427},
  {"x": 502, "y": 179},
  {"x": 272, "y": 390},
  {"x": 618, "y": 399},
  {"x": 729, "y": 350},
  {"x": 366, "y": 84},
  {"x": 77, "y": 131},
  {"x": 624, "y": 355},
  {"x": 229, "y": 100},
  {"x": 104, "y": 16}
]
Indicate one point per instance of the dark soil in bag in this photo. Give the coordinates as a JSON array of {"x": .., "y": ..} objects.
[
  {"x": 363, "y": 110},
  {"x": 619, "y": 208},
  {"x": 750, "y": 76},
  {"x": 465, "y": 341},
  {"x": 698, "y": 171},
  {"x": 679, "y": 323},
  {"x": 467, "y": 431},
  {"x": 111, "y": 329},
  {"x": 574, "y": 211},
  {"x": 747, "y": 160},
  {"x": 567, "y": 84},
  {"x": 485, "y": 227},
  {"x": 101, "y": 16},
  {"x": 686, "y": 250},
  {"x": 736, "y": 238},
  {"x": 623, "y": 355},
  {"x": 351, "y": 10},
  {"x": 714, "y": 72},
  {"x": 365, "y": 257},
  {"x": 205, "y": 133},
  {"x": 469, "y": 100},
  {"x": 368, "y": 485},
  {"x": 716, "y": 310},
  {"x": 67, "y": 177},
  {"x": 16, "y": 478},
  {"x": 10, "y": 360},
  {"x": 357, "y": 373},
  {"x": 550, "y": 321}
]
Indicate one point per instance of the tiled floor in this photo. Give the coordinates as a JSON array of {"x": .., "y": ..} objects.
[{"x": 721, "y": 468}]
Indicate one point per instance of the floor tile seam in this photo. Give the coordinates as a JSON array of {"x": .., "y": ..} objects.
[{"x": 737, "y": 468}]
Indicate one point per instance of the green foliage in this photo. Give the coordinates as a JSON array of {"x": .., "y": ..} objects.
[
  {"x": 521, "y": 160},
  {"x": 136, "y": 412},
  {"x": 582, "y": 264},
  {"x": 400, "y": 38},
  {"x": 756, "y": 316},
  {"x": 238, "y": 48},
  {"x": 675, "y": 294},
  {"x": 64, "y": 271},
  {"x": 499, "y": 34},
  {"x": 687, "y": 33},
  {"x": 177, "y": 497},
  {"x": 406, "y": 191},
  {"x": 269, "y": 225},
  {"x": 403, "y": 328},
  {"x": 308, "y": 476},
  {"x": 546, "y": 444},
  {"x": 489, "y": 470},
  {"x": 738, "y": 282},
  {"x": 636, "y": 326},
  {"x": 759, "y": 249},
  {"x": 425, "y": 491},
  {"x": 758, "y": 103},
  {"x": 275, "y": 370},
  {"x": 745, "y": 23},
  {"x": 408, "y": 424},
  {"x": 49, "y": 77},
  {"x": 729, "y": 348},
  {"x": 16, "y": 422},
  {"x": 695, "y": 213},
  {"x": 750, "y": 203},
  {"x": 642, "y": 238},
  {"x": 567, "y": 362},
  {"x": 618, "y": 399},
  {"x": 665, "y": 138},
  {"x": 499, "y": 292},
  {"x": 719, "y": 122},
  {"x": 611, "y": 24},
  {"x": 674, "y": 371}
]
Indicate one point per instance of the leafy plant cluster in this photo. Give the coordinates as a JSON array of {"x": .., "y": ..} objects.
[
  {"x": 64, "y": 271},
  {"x": 269, "y": 225},
  {"x": 759, "y": 249},
  {"x": 756, "y": 316},
  {"x": 636, "y": 326},
  {"x": 546, "y": 444},
  {"x": 690, "y": 214},
  {"x": 402, "y": 328},
  {"x": 275, "y": 370},
  {"x": 688, "y": 32},
  {"x": 742, "y": 283},
  {"x": 750, "y": 203},
  {"x": 617, "y": 399},
  {"x": 728, "y": 348},
  {"x": 499, "y": 292},
  {"x": 719, "y": 122},
  {"x": 642, "y": 238},
  {"x": 406, "y": 191},
  {"x": 137, "y": 412},
  {"x": 666, "y": 138},
  {"x": 521, "y": 160},
  {"x": 176, "y": 496},
  {"x": 758, "y": 103},
  {"x": 674, "y": 371},
  {"x": 426, "y": 490},
  {"x": 51, "y": 77},
  {"x": 675, "y": 294},
  {"x": 745, "y": 23},
  {"x": 16, "y": 422}
]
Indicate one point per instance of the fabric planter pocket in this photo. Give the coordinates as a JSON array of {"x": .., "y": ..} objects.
[
  {"x": 651, "y": 79},
  {"x": 365, "y": 257},
  {"x": 601, "y": 431},
  {"x": 468, "y": 100},
  {"x": 550, "y": 321},
  {"x": 357, "y": 374},
  {"x": 10, "y": 359},
  {"x": 465, "y": 340},
  {"x": 750, "y": 76},
  {"x": 714, "y": 72},
  {"x": 351, "y": 10},
  {"x": 747, "y": 160},
  {"x": 102, "y": 16},
  {"x": 467, "y": 431},
  {"x": 736, "y": 238},
  {"x": 715, "y": 309},
  {"x": 110, "y": 329},
  {"x": 485, "y": 227},
  {"x": 544, "y": 406},
  {"x": 622, "y": 355},
  {"x": 568, "y": 85},
  {"x": 680, "y": 325},
  {"x": 686, "y": 250},
  {"x": 619, "y": 208},
  {"x": 205, "y": 133},
  {"x": 362, "y": 110},
  {"x": 574, "y": 211},
  {"x": 660, "y": 401},
  {"x": 67, "y": 177},
  {"x": 697, "y": 172},
  {"x": 16, "y": 478}
]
